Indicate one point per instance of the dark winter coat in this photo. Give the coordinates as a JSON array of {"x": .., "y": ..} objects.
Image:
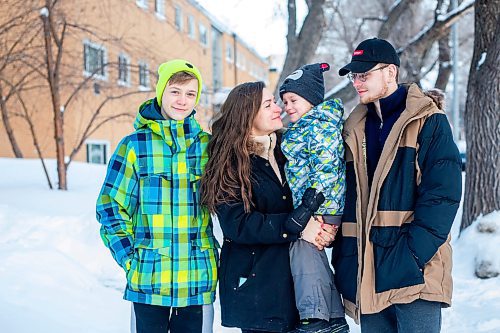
[
  {"x": 255, "y": 282},
  {"x": 394, "y": 245}
]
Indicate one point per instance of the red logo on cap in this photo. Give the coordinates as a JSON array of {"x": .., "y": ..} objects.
[
  {"x": 324, "y": 67},
  {"x": 358, "y": 53}
]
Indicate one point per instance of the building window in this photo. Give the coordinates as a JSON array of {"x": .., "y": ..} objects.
[
  {"x": 253, "y": 69},
  {"x": 203, "y": 35},
  {"x": 240, "y": 61},
  {"x": 143, "y": 75},
  {"x": 191, "y": 26},
  {"x": 97, "y": 152},
  {"x": 160, "y": 8},
  {"x": 123, "y": 70},
  {"x": 94, "y": 60},
  {"x": 229, "y": 52},
  {"x": 204, "y": 96},
  {"x": 142, "y": 3},
  {"x": 178, "y": 18}
]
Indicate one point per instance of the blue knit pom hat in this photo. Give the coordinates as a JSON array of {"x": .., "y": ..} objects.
[{"x": 307, "y": 82}]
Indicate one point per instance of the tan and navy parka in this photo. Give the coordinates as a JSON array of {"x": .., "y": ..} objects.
[{"x": 394, "y": 244}]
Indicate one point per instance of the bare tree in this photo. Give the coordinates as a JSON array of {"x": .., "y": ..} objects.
[
  {"x": 53, "y": 62},
  {"x": 55, "y": 31},
  {"x": 17, "y": 33},
  {"x": 482, "y": 116},
  {"x": 302, "y": 45},
  {"x": 8, "y": 127},
  {"x": 27, "y": 116},
  {"x": 35, "y": 57},
  {"x": 415, "y": 50}
]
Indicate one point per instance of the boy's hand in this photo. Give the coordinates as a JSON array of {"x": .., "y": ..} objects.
[
  {"x": 312, "y": 199},
  {"x": 299, "y": 217}
]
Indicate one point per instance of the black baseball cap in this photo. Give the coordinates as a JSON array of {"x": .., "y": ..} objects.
[{"x": 369, "y": 53}]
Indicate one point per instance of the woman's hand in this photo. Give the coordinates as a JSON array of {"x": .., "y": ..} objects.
[
  {"x": 318, "y": 233},
  {"x": 311, "y": 233}
]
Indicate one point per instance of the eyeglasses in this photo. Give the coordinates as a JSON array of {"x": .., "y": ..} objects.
[{"x": 363, "y": 76}]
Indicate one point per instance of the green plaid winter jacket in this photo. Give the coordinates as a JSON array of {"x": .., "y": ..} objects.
[
  {"x": 150, "y": 215},
  {"x": 314, "y": 150}
]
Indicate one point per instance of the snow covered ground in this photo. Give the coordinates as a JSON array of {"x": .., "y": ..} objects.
[{"x": 57, "y": 277}]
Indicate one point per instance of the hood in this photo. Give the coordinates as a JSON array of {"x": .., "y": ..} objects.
[
  {"x": 331, "y": 110},
  {"x": 149, "y": 116},
  {"x": 437, "y": 96},
  {"x": 149, "y": 112}
]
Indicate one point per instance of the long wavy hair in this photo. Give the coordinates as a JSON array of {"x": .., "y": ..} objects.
[{"x": 227, "y": 176}]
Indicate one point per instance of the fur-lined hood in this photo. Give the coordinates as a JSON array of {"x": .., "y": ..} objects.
[{"x": 437, "y": 96}]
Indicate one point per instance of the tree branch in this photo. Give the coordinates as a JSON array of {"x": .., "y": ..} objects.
[
  {"x": 438, "y": 29},
  {"x": 291, "y": 36},
  {"x": 89, "y": 130},
  {"x": 304, "y": 46},
  {"x": 392, "y": 18}
]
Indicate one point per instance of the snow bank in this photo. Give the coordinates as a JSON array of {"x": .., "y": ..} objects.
[{"x": 58, "y": 277}]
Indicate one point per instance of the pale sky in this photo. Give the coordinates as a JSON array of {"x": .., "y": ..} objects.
[{"x": 260, "y": 23}]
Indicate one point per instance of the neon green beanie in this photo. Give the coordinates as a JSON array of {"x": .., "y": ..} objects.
[{"x": 169, "y": 68}]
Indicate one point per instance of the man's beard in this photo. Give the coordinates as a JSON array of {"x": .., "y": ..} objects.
[{"x": 371, "y": 99}]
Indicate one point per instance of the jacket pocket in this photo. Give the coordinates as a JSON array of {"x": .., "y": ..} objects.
[
  {"x": 151, "y": 272},
  {"x": 202, "y": 267},
  {"x": 194, "y": 180},
  {"x": 142, "y": 268},
  {"x": 395, "y": 265},
  {"x": 156, "y": 194}
]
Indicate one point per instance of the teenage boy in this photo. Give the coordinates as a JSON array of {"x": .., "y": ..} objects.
[{"x": 150, "y": 215}]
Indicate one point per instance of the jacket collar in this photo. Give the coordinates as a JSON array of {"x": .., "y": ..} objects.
[
  {"x": 416, "y": 100},
  {"x": 391, "y": 104},
  {"x": 263, "y": 145},
  {"x": 183, "y": 132},
  {"x": 329, "y": 110},
  {"x": 263, "y": 149}
]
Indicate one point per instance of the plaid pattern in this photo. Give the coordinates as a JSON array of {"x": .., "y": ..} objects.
[
  {"x": 150, "y": 214},
  {"x": 314, "y": 150}
]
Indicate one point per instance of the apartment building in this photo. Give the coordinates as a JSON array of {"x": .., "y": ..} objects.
[{"x": 115, "y": 47}]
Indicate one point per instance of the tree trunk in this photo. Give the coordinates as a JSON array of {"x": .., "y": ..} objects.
[
  {"x": 444, "y": 63},
  {"x": 482, "y": 116},
  {"x": 302, "y": 47},
  {"x": 29, "y": 120},
  {"x": 53, "y": 78},
  {"x": 444, "y": 57},
  {"x": 8, "y": 127}
]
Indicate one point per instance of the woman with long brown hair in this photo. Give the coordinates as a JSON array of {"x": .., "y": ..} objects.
[{"x": 245, "y": 186}]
